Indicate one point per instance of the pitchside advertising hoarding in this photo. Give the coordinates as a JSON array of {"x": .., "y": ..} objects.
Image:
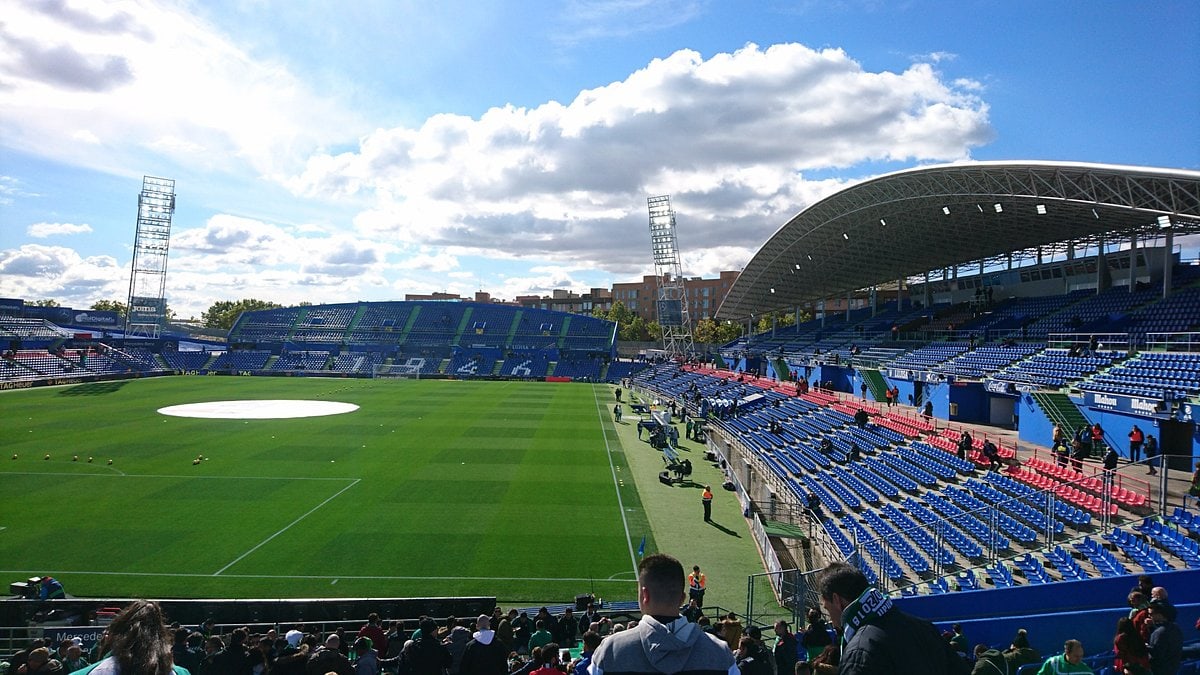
[{"x": 1143, "y": 407}]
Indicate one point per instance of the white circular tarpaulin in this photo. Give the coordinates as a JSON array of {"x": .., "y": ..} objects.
[{"x": 258, "y": 410}]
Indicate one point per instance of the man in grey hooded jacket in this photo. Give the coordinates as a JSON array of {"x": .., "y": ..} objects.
[{"x": 663, "y": 641}]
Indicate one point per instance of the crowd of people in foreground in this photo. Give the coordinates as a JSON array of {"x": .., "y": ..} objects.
[{"x": 866, "y": 635}]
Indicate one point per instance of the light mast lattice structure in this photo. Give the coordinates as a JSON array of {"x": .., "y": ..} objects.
[
  {"x": 148, "y": 275},
  {"x": 671, "y": 304}
]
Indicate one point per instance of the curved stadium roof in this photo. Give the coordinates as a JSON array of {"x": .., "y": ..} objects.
[{"x": 906, "y": 223}]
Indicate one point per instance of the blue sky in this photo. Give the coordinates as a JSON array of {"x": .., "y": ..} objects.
[{"x": 362, "y": 150}]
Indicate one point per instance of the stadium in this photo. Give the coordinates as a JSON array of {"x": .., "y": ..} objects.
[{"x": 413, "y": 458}]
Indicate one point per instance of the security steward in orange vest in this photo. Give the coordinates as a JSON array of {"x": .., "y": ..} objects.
[{"x": 706, "y": 499}]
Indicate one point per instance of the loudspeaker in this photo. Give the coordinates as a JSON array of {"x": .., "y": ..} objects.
[{"x": 1175, "y": 443}]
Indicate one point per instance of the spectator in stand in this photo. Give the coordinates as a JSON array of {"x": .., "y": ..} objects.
[
  {"x": 186, "y": 651},
  {"x": 1136, "y": 438},
  {"x": 591, "y": 640},
  {"x": 1081, "y": 444},
  {"x": 877, "y": 637},
  {"x": 1139, "y": 613},
  {"x": 964, "y": 444},
  {"x": 548, "y": 663},
  {"x": 664, "y": 641},
  {"x": 1166, "y": 640},
  {"x": 1129, "y": 646},
  {"x": 262, "y": 659},
  {"x": 751, "y": 658},
  {"x": 293, "y": 658},
  {"x": 786, "y": 648},
  {"x": 485, "y": 654},
  {"x": 992, "y": 454},
  {"x": 329, "y": 659},
  {"x": 374, "y": 630},
  {"x": 861, "y": 417},
  {"x": 1151, "y": 449},
  {"x": 1062, "y": 452},
  {"x": 568, "y": 628},
  {"x": 825, "y": 663},
  {"x": 40, "y": 661},
  {"x": 1097, "y": 437},
  {"x": 425, "y": 655},
  {"x": 1019, "y": 653},
  {"x": 541, "y": 636},
  {"x": 1194, "y": 487},
  {"x": 77, "y": 661},
  {"x": 731, "y": 630},
  {"x": 1145, "y": 584},
  {"x": 990, "y": 662},
  {"x": 957, "y": 640},
  {"x": 1070, "y": 661},
  {"x": 234, "y": 659},
  {"x": 1057, "y": 436},
  {"x": 1158, "y": 594},
  {"x": 456, "y": 639},
  {"x": 816, "y": 636},
  {"x": 139, "y": 643},
  {"x": 1110, "y": 465}
]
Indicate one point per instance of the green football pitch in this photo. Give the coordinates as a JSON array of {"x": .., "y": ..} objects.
[{"x": 429, "y": 488}]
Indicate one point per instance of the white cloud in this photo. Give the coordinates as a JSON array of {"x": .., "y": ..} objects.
[
  {"x": 140, "y": 77},
  {"x": 44, "y": 230},
  {"x": 37, "y": 271},
  {"x": 728, "y": 137}
]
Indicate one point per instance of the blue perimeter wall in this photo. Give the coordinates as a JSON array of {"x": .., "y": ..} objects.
[{"x": 1052, "y": 613}]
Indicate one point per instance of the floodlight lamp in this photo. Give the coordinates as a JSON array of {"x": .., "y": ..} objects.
[
  {"x": 1041, "y": 209},
  {"x": 883, "y": 222},
  {"x": 1164, "y": 221},
  {"x": 772, "y": 291},
  {"x": 999, "y": 209},
  {"x": 846, "y": 236},
  {"x": 979, "y": 207},
  {"x": 798, "y": 264}
]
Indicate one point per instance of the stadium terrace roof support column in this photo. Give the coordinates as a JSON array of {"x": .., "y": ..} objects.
[
  {"x": 848, "y": 296},
  {"x": 1103, "y": 276},
  {"x": 148, "y": 274},
  {"x": 1132, "y": 262},
  {"x": 928, "y": 296},
  {"x": 1168, "y": 260}
]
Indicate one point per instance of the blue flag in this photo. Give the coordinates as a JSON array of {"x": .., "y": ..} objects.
[{"x": 642, "y": 547}]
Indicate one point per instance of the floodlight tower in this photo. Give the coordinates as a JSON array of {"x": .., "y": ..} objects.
[
  {"x": 671, "y": 303},
  {"x": 148, "y": 277}
]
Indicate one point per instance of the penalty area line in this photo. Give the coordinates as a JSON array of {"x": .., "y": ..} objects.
[{"x": 286, "y": 527}]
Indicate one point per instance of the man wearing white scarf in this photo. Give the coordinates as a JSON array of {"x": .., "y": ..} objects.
[{"x": 878, "y": 638}]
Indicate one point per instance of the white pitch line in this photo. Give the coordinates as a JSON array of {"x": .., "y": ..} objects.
[
  {"x": 286, "y": 527},
  {"x": 205, "y": 575},
  {"x": 616, "y": 484},
  {"x": 182, "y": 475}
]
